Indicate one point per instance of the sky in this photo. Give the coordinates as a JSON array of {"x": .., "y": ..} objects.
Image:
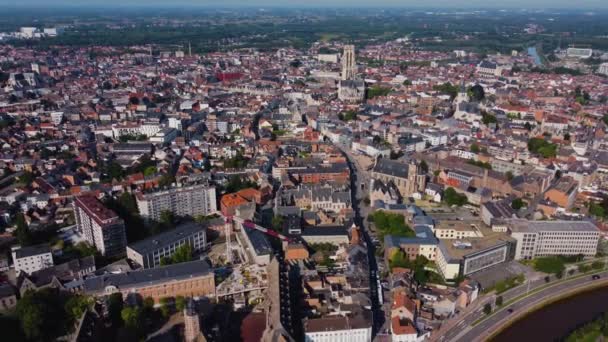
[{"x": 573, "y": 4}]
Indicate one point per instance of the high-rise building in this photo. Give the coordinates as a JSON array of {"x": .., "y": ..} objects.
[
  {"x": 100, "y": 226},
  {"x": 193, "y": 200},
  {"x": 349, "y": 67}
]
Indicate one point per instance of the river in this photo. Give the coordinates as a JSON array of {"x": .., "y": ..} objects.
[{"x": 555, "y": 321}]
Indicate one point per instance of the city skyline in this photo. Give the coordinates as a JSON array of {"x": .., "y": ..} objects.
[{"x": 447, "y": 4}]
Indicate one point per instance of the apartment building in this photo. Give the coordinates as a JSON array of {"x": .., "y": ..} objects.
[
  {"x": 100, "y": 226},
  {"x": 545, "y": 238},
  {"x": 149, "y": 252},
  {"x": 193, "y": 200},
  {"x": 32, "y": 258}
]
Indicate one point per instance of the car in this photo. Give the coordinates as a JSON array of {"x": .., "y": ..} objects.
[
  {"x": 510, "y": 310},
  {"x": 595, "y": 277}
]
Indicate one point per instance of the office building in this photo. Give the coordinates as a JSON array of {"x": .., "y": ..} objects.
[
  {"x": 32, "y": 258},
  {"x": 100, "y": 226},
  {"x": 193, "y": 200},
  {"x": 545, "y": 238},
  {"x": 149, "y": 252},
  {"x": 187, "y": 279}
]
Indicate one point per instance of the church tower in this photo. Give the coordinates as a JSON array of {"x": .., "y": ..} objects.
[{"x": 349, "y": 67}]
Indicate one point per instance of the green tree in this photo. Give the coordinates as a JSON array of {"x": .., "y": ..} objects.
[
  {"x": 44, "y": 314},
  {"x": 487, "y": 309},
  {"x": 475, "y": 148},
  {"x": 277, "y": 223},
  {"x": 167, "y": 219},
  {"x": 180, "y": 303},
  {"x": 149, "y": 303},
  {"x": 424, "y": 167},
  {"x": 509, "y": 175},
  {"x": 499, "y": 301},
  {"x": 517, "y": 204},
  {"x": 182, "y": 254},
  {"x": 451, "y": 197},
  {"x": 165, "y": 308},
  {"x": 132, "y": 317},
  {"x": 115, "y": 305},
  {"x": 22, "y": 232},
  {"x": 476, "y": 93}
]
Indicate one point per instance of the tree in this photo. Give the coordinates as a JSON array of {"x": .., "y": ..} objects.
[
  {"x": 517, "y": 204},
  {"x": 45, "y": 315},
  {"x": 180, "y": 303},
  {"x": 451, "y": 197},
  {"x": 167, "y": 218},
  {"x": 424, "y": 167},
  {"x": 132, "y": 317},
  {"x": 277, "y": 223},
  {"x": 509, "y": 175},
  {"x": 77, "y": 305},
  {"x": 547, "y": 279},
  {"x": 182, "y": 254},
  {"x": 559, "y": 275},
  {"x": 487, "y": 309},
  {"x": 164, "y": 306},
  {"x": 475, "y": 148},
  {"x": 499, "y": 300},
  {"x": 115, "y": 305},
  {"x": 22, "y": 232},
  {"x": 476, "y": 93},
  {"x": 567, "y": 136},
  {"x": 148, "y": 303},
  {"x": 571, "y": 272}
]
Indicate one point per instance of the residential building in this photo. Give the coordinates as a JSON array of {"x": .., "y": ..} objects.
[
  {"x": 192, "y": 200},
  {"x": 188, "y": 279},
  {"x": 8, "y": 298},
  {"x": 32, "y": 258},
  {"x": 149, "y": 252},
  {"x": 100, "y": 226},
  {"x": 563, "y": 193},
  {"x": 338, "y": 328},
  {"x": 546, "y": 238}
]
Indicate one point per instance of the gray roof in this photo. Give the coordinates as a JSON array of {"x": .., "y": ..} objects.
[
  {"x": 424, "y": 236},
  {"x": 29, "y": 251},
  {"x": 148, "y": 277},
  {"x": 258, "y": 241},
  {"x": 155, "y": 242},
  {"x": 391, "y": 167},
  {"x": 552, "y": 226}
]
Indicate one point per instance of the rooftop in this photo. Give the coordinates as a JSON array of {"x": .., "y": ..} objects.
[
  {"x": 96, "y": 210},
  {"x": 29, "y": 251},
  {"x": 551, "y": 226},
  {"x": 158, "y": 241},
  {"x": 149, "y": 277}
]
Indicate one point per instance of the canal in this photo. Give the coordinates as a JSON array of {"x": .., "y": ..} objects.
[{"x": 555, "y": 321}]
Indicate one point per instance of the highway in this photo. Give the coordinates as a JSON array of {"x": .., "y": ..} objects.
[{"x": 465, "y": 332}]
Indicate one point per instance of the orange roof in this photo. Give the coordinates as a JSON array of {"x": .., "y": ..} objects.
[
  {"x": 231, "y": 200},
  {"x": 400, "y": 299},
  {"x": 402, "y": 326},
  {"x": 249, "y": 193}
]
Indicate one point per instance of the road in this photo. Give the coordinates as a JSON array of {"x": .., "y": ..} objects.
[
  {"x": 359, "y": 176},
  {"x": 486, "y": 328}
]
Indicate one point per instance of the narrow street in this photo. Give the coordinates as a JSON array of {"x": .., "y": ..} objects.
[{"x": 359, "y": 183}]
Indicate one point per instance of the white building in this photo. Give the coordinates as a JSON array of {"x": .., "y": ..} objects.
[
  {"x": 328, "y": 57},
  {"x": 337, "y": 329},
  {"x": 32, "y": 258},
  {"x": 545, "y": 238},
  {"x": 190, "y": 201},
  {"x": 579, "y": 53},
  {"x": 603, "y": 69}
]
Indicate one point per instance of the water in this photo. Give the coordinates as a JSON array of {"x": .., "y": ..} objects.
[
  {"x": 555, "y": 321},
  {"x": 534, "y": 54}
]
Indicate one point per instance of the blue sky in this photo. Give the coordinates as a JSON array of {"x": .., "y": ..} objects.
[{"x": 574, "y": 4}]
